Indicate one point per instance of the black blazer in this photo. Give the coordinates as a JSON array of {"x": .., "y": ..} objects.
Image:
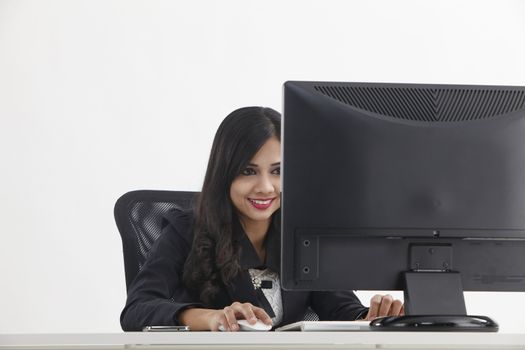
[{"x": 157, "y": 295}]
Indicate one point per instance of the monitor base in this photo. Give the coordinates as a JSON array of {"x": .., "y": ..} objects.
[{"x": 434, "y": 323}]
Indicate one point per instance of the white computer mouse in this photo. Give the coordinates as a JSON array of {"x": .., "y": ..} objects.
[{"x": 258, "y": 326}]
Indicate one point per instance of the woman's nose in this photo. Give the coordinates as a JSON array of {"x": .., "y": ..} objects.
[{"x": 265, "y": 185}]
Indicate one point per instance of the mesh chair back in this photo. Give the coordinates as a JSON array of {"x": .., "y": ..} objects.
[{"x": 138, "y": 215}]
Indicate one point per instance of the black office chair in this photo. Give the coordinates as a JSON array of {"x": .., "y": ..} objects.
[{"x": 138, "y": 215}]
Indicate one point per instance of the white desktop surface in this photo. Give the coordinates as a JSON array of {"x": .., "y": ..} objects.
[{"x": 265, "y": 340}]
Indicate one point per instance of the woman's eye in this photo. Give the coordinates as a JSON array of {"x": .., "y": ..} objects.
[
  {"x": 248, "y": 171},
  {"x": 276, "y": 171}
]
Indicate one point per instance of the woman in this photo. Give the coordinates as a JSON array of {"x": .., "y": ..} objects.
[{"x": 220, "y": 263}]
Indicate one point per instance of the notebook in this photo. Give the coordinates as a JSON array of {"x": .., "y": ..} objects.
[{"x": 322, "y": 326}]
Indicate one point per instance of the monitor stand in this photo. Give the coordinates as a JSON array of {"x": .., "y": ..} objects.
[{"x": 434, "y": 302}]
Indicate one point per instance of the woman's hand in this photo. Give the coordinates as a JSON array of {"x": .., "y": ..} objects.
[
  {"x": 227, "y": 317},
  {"x": 384, "y": 305}
]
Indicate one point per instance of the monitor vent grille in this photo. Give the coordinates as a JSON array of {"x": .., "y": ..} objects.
[{"x": 428, "y": 104}]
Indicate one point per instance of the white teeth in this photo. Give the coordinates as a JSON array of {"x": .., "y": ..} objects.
[{"x": 256, "y": 201}]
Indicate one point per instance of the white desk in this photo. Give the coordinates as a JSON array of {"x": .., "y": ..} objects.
[{"x": 265, "y": 340}]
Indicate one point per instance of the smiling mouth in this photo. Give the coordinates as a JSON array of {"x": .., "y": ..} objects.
[{"x": 261, "y": 204}]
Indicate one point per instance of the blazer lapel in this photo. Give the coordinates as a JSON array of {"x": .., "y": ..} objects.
[{"x": 241, "y": 289}]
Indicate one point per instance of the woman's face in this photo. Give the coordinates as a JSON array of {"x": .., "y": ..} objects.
[{"x": 255, "y": 193}]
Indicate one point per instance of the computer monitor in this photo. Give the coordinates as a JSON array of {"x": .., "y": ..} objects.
[{"x": 410, "y": 187}]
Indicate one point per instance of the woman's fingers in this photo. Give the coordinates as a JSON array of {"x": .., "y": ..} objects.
[
  {"x": 375, "y": 303},
  {"x": 231, "y": 320},
  {"x": 384, "y": 305},
  {"x": 262, "y": 315},
  {"x": 242, "y": 311},
  {"x": 251, "y": 313},
  {"x": 247, "y": 312},
  {"x": 221, "y": 322},
  {"x": 397, "y": 308}
]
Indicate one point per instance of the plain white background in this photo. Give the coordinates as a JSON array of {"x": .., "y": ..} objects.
[{"x": 101, "y": 97}]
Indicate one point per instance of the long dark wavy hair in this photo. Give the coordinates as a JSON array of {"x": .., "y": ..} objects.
[{"x": 214, "y": 256}]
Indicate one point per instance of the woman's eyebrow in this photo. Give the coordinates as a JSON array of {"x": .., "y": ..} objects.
[{"x": 256, "y": 166}]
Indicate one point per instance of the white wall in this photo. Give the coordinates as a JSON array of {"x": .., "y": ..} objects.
[{"x": 101, "y": 97}]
